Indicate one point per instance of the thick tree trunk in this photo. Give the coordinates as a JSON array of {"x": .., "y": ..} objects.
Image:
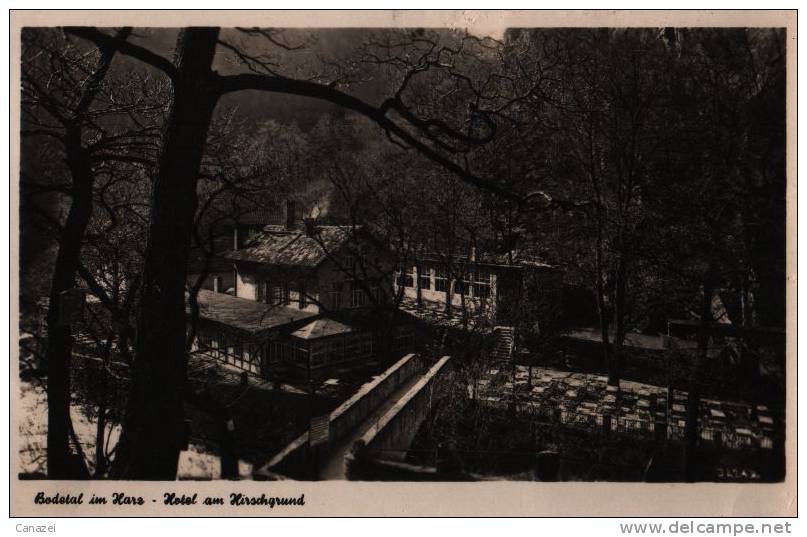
[
  {"x": 620, "y": 290},
  {"x": 61, "y": 465},
  {"x": 154, "y": 424},
  {"x": 604, "y": 317},
  {"x": 693, "y": 398},
  {"x": 608, "y": 357}
]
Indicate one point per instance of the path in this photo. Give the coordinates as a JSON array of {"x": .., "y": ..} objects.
[{"x": 334, "y": 466}]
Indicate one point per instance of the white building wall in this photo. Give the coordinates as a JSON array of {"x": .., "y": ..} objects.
[
  {"x": 472, "y": 303},
  {"x": 245, "y": 286}
]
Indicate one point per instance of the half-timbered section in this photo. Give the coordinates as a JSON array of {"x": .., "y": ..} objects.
[
  {"x": 307, "y": 297},
  {"x": 239, "y": 332}
]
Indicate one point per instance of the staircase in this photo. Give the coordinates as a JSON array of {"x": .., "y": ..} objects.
[{"x": 502, "y": 343}]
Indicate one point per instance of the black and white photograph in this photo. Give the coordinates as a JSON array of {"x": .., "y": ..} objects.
[{"x": 260, "y": 255}]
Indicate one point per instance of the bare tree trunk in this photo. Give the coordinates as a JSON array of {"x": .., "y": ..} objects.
[
  {"x": 449, "y": 283},
  {"x": 60, "y": 341},
  {"x": 693, "y": 398},
  {"x": 602, "y": 311},
  {"x": 747, "y": 302},
  {"x": 123, "y": 326},
  {"x": 613, "y": 375},
  {"x": 100, "y": 426},
  {"x": 418, "y": 270},
  {"x": 620, "y": 289},
  {"x": 463, "y": 304},
  {"x": 153, "y": 428}
]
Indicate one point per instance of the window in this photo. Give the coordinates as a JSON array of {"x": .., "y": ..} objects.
[
  {"x": 355, "y": 262},
  {"x": 293, "y": 297},
  {"x": 482, "y": 284},
  {"x": 459, "y": 287},
  {"x": 441, "y": 280},
  {"x": 366, "y": 345},
  {"x": 406, "y": 277},
  {"x": 353, "y": 345},
  {"x": 358, "y": 297},
  {"x": 378, "y": 294},
  {"x": 336, "y": 296},
  {"x": 336, "y": 350},
  {"x": 409, "y": 279},
  {"x": 276, "y": 295},
  {"x": 242, "y": 236},
  {"x": 424, "y": 273},
  {"x": 300, "y": 355},
  {"x": 319, "y": 353},
  {"x": 263, "y": 292},
  {"x": 463, "y": 286},
  {"x": 303, "y": 298},
  {"x": 238, "y": 353},
  {"x": 225, "y": 352},
  {"x": 358, "y": 345},
  {"x": 203, "y": 341},
  {"x": 284, "y": 298},
  {"x": 254, "y": 358}
]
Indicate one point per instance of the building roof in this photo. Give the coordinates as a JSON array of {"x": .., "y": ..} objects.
[
  {"x": 374, "y": 319},
  {"x": 275, "y": 245},
  {"x": 247, "y": 315},
  {"x": 519, "y": 260},
  {"x": 320, "y": 328}
]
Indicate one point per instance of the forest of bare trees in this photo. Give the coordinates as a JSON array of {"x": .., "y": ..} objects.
[{"x": 648, "y": 164}]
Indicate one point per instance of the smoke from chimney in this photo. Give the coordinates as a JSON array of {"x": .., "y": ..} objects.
[{"x": 319, "y": 209}]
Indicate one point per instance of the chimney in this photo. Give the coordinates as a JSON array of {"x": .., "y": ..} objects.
[
  {"x": 291, "y": 217},
  {"x": 310, "y": 226}
]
